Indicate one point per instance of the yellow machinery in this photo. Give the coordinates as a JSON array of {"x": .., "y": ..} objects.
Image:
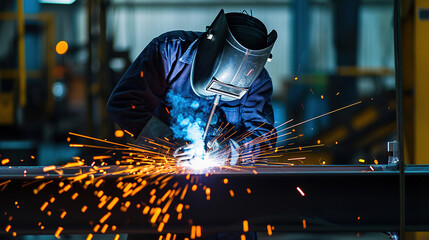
[
  {"x": 7, "y": 99},
  {"x": 421, "y": 81},
  {"x": 415, "y": 52},
  {"x": 11, "y": 101}
]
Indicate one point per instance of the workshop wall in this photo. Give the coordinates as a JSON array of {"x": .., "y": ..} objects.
[{"x": 311, "y": 82}]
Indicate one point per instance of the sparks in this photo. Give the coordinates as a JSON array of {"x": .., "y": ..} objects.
[
  {"x": 300, "y": 191},
  {"x": 58, "y": 232},
  {"x": 5, "y": 161},
  {"x": 245, "y": 226},
  {"x": 269, "y": 230}
]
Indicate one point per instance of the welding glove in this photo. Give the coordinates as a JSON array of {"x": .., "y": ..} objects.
[
  {"x": 223, "y": 154},
  {"x": 188, "y": 152},
  {"x": 154, "y": 129}
]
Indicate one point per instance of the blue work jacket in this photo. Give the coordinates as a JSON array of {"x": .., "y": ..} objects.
[{"x": 164, "y": 65}]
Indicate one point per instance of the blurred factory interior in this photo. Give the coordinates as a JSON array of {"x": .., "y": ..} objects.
[{"x": 60, "y": 60}]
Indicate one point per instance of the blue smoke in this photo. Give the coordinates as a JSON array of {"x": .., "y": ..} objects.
[{"x": 188, "y": 117}]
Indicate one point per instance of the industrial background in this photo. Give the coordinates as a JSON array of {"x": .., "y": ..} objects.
[{"x": 60, "y": 60}]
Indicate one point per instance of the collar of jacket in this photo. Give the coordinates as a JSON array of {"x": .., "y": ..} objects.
[{"x": 189, "y": 54}]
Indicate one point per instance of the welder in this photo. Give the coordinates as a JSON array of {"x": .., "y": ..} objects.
[{"x": 223, "y": 66}]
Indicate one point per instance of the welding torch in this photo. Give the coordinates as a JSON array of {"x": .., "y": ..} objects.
[{"x": 212, "y": 111}]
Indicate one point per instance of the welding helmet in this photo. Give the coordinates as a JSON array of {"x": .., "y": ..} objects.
[{"x": 230, "y": 56}]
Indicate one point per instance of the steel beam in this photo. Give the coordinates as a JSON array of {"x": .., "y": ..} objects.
[{"x": 336, "y": 198}]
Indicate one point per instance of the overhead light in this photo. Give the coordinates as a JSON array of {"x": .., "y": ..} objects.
[{"x": 57, "y": 1}]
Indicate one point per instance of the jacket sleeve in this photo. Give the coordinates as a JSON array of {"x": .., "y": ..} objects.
[
  {"x": 258, "y": 119},
  {"x": 139, "y": 92}
]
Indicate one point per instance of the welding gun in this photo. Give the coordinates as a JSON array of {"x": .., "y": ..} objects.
[{"x": 212, "y": 111}]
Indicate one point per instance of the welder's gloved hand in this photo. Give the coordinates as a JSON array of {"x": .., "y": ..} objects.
[
  {"x": 212, "y": 146},
  {"x": 154, "y": 129},
  {"x": 188, "y": 152},
  {"x": 224, "y": 153}
]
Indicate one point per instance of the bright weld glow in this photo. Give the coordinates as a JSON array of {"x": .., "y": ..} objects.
[
  {"x": 300, "y": 191},
  {"x": 201, "y": 164},
  {"x": 202, "y": 160}
]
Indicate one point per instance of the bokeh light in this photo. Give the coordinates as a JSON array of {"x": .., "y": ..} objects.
[{"x": 62, "y": 47}]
